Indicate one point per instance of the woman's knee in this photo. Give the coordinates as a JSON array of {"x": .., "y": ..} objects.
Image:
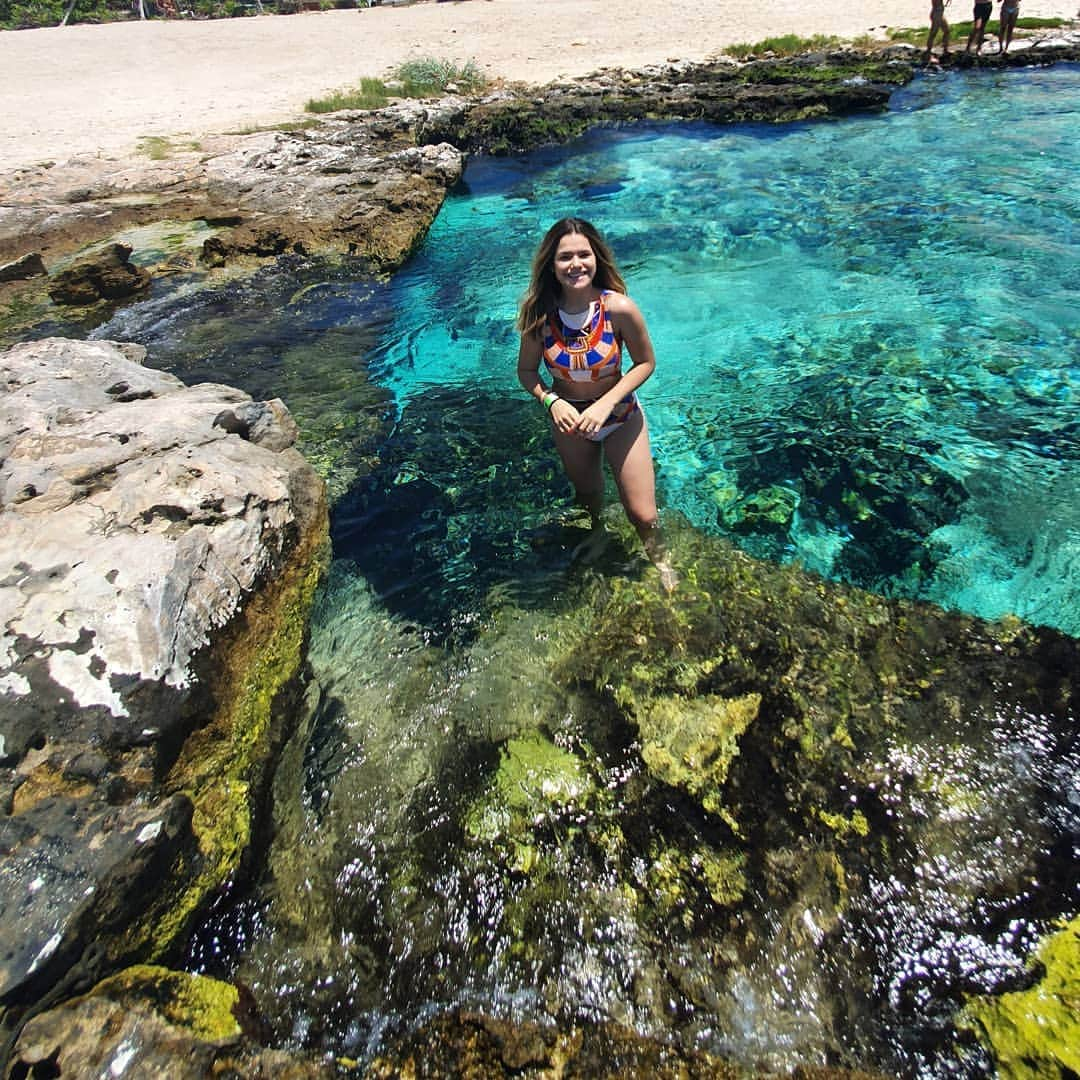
[{"x": 643, "y": 516}]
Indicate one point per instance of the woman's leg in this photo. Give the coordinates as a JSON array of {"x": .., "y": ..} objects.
[
  {"x": 581, "y": 460},
  {"x": 630, "y": 457}
]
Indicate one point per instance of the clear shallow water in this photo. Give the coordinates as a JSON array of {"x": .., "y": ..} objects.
[
  {"x": 869, "y": 356},
  {"x": 868, "y": 362}
]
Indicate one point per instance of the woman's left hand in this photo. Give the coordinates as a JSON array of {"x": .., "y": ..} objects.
[{"x": 591, "y": 420}]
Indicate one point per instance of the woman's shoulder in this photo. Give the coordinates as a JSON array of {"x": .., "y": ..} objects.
[
  {"x": 617, "y": 301},
  {"x": 619, "y": 304}
]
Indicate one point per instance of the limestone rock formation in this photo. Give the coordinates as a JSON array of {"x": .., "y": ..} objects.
[
  {"x": 159, "y": 545},
  {"x": 104, "y": 274}
]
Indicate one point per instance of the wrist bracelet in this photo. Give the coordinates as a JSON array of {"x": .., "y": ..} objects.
[{"x": 549, "y": 399}]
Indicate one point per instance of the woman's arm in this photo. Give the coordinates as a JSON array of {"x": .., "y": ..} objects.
[
  {"x": 528, "y": 366},
  {"x": 563, "y": 416}
]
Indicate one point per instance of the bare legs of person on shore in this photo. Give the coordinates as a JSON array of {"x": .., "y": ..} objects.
[
  {"x": 1010, "y": 12},
  {"x": 630, "y": 460},
  {"x": 937, "y": 22},
  {"x": 978, "y": 27}
]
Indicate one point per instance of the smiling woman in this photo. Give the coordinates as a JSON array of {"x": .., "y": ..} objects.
[{"x": 576, "y": 317}]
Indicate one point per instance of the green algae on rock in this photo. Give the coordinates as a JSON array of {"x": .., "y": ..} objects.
[
  {"x": 204, "y": 1006},
  {"x": 225, "y": 766},
  {"x": 152, "y": 1021},
  {"x": 1035, "y": 1033},
  {"x": 534, "y": 778},
  {"x": 689, "y": 742}
]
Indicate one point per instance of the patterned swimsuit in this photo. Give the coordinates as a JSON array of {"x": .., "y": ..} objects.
[{"x": 594, "y": 352}]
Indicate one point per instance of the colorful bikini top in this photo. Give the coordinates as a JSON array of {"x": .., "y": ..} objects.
[{"x": 585, "y": 355}]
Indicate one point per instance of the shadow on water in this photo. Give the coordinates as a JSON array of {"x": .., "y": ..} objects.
[{"x": 467, "y": 504}]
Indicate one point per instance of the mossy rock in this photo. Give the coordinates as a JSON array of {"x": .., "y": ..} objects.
[
  {"x": 203, "y": 1006},
  {"x": 689, "y": 743},
  {"x": 535, "y": 778},
  {"x": 1035, "y": 1033}
]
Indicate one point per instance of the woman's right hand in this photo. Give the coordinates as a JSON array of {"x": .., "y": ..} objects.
[{"x": 564, "y": 416}]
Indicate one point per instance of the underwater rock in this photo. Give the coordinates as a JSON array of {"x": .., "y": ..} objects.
[
  {"x": 160, "y": 546},
  {"x": 689, "y": 742},
  {"x": 463, "y": 1043},
  {"x": 105, "y": 274},
  {"x": 1036, "y": 1032},
  {"x": 535, "y": 781}
]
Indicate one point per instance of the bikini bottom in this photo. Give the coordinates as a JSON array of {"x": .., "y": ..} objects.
[{"x": 618, "y": 416}]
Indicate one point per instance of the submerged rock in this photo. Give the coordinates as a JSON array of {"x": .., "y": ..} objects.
[
  {"x": 1036, "y": 1032},
  {"x": 153, "y": 1022},
  {"x": 160, "y": 546}
]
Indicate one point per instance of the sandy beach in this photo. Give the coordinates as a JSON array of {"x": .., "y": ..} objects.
[{"x": 99, "y": 89}]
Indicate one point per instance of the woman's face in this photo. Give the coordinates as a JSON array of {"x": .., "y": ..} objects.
[{"x": 574, "y": 263}]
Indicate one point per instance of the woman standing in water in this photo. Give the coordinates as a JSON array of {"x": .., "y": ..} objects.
[{"x": 575, "y": 319}]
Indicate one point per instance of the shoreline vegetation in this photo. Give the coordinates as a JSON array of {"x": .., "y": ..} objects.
[{"x": 433, "y": 76}]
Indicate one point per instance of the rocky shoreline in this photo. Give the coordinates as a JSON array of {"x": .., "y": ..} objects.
[
  {"x": 162, "y": 545},
  {"x": 366, "y": 186}
]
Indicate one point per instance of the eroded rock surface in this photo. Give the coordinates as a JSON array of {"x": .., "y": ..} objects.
[
  {"x": 158, "y": 545},
  {"x": 106, "y": 274}
]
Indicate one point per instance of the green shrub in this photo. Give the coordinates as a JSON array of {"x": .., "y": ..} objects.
[
  {"x": 416, "y": 79},
  {"x": 786, "y": 45},
  {"x": 428, "y": 76},
  {"x": 371, "y": 94}
]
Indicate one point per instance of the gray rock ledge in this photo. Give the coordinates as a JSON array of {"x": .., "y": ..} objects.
[{"x": 159, "y": 545}]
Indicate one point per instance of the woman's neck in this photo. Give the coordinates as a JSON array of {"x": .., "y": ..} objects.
[{"x": 578, "y": 302}]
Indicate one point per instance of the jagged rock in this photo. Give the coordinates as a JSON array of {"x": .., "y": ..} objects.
[
  {"x": 28, "y": 266},
  {"x": 104, "y": 275},
  {"x": 358, "y": 185},
  {"x": 150, "y": 1021},
  {"x": 160, "y": 545}
]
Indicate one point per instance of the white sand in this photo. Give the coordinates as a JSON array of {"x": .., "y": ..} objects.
[{"x": 99, "y": 89}]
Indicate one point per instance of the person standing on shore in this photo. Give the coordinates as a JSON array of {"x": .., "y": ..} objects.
[
  {"x": 1010, "y": 12},
  {"x": 978, "y": 29},
  {"x": 937, "y": 22},
  {"x": 575, "y": 319}
]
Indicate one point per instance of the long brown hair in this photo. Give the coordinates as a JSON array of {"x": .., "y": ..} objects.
[{"x": 543, "y": 295}]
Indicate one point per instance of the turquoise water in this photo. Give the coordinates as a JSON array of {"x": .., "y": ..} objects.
[{"x": 868, "y": 350}]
